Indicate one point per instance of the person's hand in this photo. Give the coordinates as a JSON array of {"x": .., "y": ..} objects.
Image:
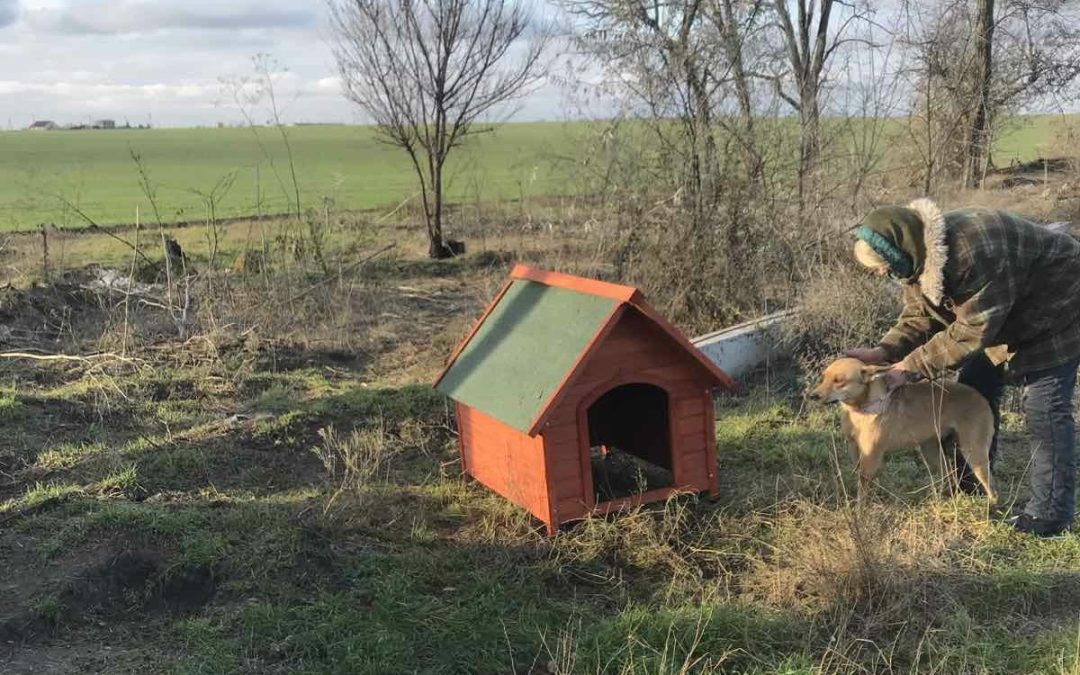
[
  {"x": 897, "y": 377},
  {"x": 871, "y": 356}
]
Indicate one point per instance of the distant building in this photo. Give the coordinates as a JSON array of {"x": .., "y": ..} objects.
[
  {"x": 104, "y": 124},
  {"x": 44, "y": 125}
]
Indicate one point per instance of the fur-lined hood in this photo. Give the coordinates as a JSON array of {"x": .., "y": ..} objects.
[
  {"x": 993, "y": 265},
  {"x": 932, "y": 277}
]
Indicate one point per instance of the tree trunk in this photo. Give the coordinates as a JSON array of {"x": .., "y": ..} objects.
[
  {"x": 809, "y": 141},
  {"x": 979, "y": 136},
  {"x": 437, "y": 248}
]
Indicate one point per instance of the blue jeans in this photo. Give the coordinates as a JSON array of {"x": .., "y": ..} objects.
[{"x": 1048, "y": 398}]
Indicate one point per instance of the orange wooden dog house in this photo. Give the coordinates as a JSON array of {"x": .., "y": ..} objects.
[{"x": 563, "y": 380}]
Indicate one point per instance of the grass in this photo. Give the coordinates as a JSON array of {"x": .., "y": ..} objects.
[
  {"x": 281, "y": 494},
  {"x": 224, "y": 551},
  {"x": 1034, "y": 136},
  {"x": 347, "y": 165}
]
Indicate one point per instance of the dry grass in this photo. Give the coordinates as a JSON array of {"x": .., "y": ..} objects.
[
  {"x": 840, "y": 307},
  {"x": 355, "y": 461},
  {"x": 882, "y": 556}
]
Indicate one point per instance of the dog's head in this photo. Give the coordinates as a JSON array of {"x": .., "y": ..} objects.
[{"x": 844, "y": 381}]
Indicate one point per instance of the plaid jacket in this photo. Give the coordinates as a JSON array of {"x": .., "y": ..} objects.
[{"x": 1005, "y": 285}]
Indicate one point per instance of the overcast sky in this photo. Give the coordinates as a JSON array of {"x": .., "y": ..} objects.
[{"x": 162, "y": 61}]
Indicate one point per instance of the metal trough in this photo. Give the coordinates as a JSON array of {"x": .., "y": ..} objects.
[{"x": 741, "y": 348}]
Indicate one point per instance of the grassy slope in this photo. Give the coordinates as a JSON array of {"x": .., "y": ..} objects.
[
  {"x": 347, "y": 164},
  {"x": 151, "y": 525},
  {"x": 422, "y": 572}
]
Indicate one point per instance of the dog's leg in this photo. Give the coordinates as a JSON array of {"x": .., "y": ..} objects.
[
  {"x": 982, "y": 474},
  {"x": 975, "y": 448},
  {"x": 853, "y": 448},
  {"x": 934, "y": 457},
  {"x": 948, "y": 447},
  {"x": 869, "y": 463}
]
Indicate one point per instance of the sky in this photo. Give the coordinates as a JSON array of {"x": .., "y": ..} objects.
[{"x": 162, "y": 62}]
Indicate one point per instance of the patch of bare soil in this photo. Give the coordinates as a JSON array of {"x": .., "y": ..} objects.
[
  {"x": 67, "y": 311},
  {"x": 421, "y": 320},
  {"x": 110, "y": 585},
  {"x": 100, "y": 651}
]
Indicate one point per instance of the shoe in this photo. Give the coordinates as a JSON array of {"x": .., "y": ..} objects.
[{"x": 1039, "y": 527}]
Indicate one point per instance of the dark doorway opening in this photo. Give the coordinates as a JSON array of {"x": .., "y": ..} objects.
[{"x": 630, "y": 442}]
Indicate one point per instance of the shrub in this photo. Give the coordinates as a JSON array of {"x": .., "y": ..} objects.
[{"x": 841, "y": 307}]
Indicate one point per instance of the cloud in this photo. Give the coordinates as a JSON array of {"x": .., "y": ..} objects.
[
  {"x": 123, "y": 17},
  {"x": 170, "y": 103},
  {"x": 9, "y": 12},
  {"x": 162, "y": 61},
  {"x": 328, "y": 85},
  {"x": 90, "y": 93}
]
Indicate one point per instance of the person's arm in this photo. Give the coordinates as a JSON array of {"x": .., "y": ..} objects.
[
  {"x": 913, "y": 328},
  {"x": 978, "y": 321}
]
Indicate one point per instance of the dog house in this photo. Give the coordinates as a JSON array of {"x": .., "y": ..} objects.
[{"x": 574, "y": 396}]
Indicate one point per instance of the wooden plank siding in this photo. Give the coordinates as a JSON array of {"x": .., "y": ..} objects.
[{"x": 505, "y": 460}]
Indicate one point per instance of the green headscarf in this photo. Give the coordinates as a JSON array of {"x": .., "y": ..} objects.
[{"x": 896, "y": 234}]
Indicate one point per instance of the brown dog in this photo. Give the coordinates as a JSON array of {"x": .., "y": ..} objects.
[{"x": 923, "y": 414}]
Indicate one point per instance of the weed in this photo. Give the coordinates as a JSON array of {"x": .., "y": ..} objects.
[
  {"x": 41, "y": 495},
  {"x": 11, "y": 409},
  {"x": 355, "y": 461},
  {"x": 123, "y": 483},
  {"x": 67, "y": 455},
  {"x": 841, "y": 307}
]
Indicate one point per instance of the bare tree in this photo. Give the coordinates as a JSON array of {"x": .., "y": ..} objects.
[
  {"x": 809, "y": 39},
  {"x": 684, "y": 60},
  {"x": 936, "y": 40},
  {"x": 427, "y": 71},
  {"x": 807, "y": 49},
  {"x": 736, "y": 23},
  {"x": 976, "y": 60}
]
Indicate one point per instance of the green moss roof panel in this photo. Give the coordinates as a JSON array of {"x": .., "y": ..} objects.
[{"x": 524, "y": 349}]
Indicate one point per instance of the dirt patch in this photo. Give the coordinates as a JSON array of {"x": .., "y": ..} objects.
[
  {"x": 107, "y": 582},
  {"x": 41, "y": 316},
  {"x": 95, "y": 652},
  {"x": 113, "y": 585},
  {"x": 1049, "y": 165},
  {"x": 259, "y": 464},
  {"x": 285, "y": 358}
]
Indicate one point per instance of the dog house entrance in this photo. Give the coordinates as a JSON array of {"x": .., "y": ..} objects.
[{"x": 630, "y": 442}]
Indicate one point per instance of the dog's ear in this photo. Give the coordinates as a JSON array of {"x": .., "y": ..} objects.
[{"x": 869, "y": 373}]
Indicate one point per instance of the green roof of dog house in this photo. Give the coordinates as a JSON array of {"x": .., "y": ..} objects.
[{"x": 533, "y": 335}]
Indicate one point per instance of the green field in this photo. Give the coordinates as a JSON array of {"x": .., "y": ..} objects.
[
  {"x": 39, "y": 170},
  {"x": 95, "y": 171},
  {"x": 1035, "y": 136}
]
